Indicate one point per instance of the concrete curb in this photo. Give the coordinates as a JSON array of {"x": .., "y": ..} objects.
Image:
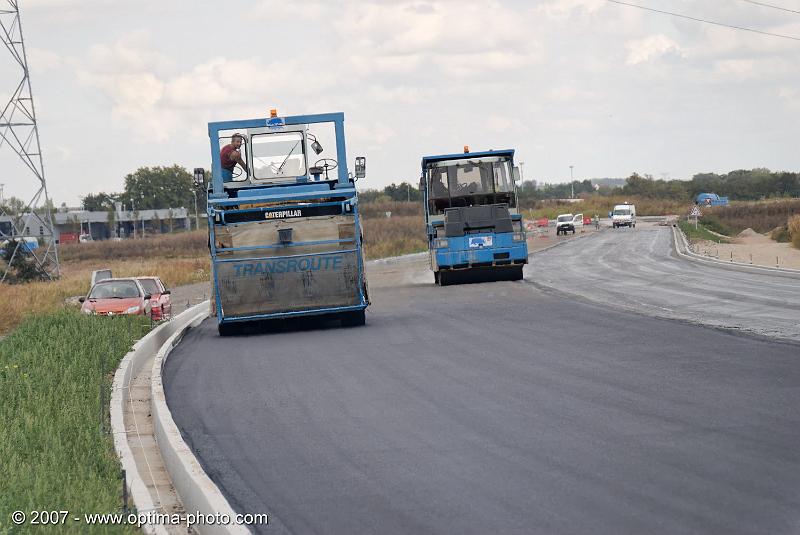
[
  {"x": 129, "y": 367},
  {"x": 196, "y": 490},
  {"x": 680, "y": 241}
]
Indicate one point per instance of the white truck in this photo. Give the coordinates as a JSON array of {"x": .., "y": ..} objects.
[
  {"x": 568, "y": 223},
  {"x": 624, "y": 215}
]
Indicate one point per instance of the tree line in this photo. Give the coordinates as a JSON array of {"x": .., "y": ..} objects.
[
  {"x": 741, "y": 185},
  {"x": 150, "y": 188}
]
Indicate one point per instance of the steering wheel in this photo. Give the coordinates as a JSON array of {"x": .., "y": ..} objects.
[{"x": 328, "y": 164}]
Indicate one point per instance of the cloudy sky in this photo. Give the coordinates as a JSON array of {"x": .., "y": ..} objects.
[{"x": 607, "y": 88}]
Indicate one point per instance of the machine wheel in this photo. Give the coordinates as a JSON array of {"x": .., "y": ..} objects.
[
  {"x": 516, "y": 273},
  {"x": 354, "y": 319},
  {"x": 436, "y": 277},
  {"x": 228, "y": 329},
  {"x": 444, "y": 278}
]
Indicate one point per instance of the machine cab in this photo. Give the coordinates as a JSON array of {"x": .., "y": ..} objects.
[
  {"x": 471, "y": 214},
  {"x": 281, "y": 152}
]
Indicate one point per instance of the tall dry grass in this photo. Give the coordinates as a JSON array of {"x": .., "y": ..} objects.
[
  {"x": 794, "y": 230},
  {"x": 394, "y": 236},
  {"x": 178, "y": 245},
  {"x": 379, "y": 209},
  {"x": 602, "y": 205},
  {"x": 761, "y": 216}
]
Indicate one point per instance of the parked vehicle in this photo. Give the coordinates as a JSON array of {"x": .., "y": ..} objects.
[
  {"x": 623, "y": 215},
  {"x": 475, "y": 231},
  {"x": 568, "y": 223},
  {"x": 710, "y": 199},
  {"x": 284, "y": 230},
  {"x": 160, "y": 303},
  {"x": 117, "y": 297}
]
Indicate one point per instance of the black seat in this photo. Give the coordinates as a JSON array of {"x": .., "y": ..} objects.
[{"x": 490, "y": 218}]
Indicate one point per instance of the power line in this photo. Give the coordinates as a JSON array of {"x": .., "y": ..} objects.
[
  {"x": 771, "y": 6},
  {"x": 705, "y": 21}
]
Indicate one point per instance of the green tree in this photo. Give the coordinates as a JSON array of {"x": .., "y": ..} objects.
[
  {"x": 153, "y": 188},
  {"x": 403, "y": 192},
  {"x": 13, "y": 206},
  {"x": 99, "y": 202}
]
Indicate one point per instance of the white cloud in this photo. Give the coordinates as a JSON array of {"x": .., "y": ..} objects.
[
  {"x": 651, "y": 48},
  {"x": 570, "y": 93},
  {"x": 791, "y": 96},
  {"x": 564, "y": 9},
  {"x": 41, "y": 61}
]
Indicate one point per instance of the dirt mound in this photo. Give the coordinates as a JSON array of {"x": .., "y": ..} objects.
[{"x": 748, "y": 233}]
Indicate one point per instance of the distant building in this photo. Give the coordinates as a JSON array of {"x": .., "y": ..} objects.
[{"x": 104, "y": 225}]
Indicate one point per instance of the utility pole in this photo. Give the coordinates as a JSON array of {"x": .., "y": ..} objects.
[
  {"x": 1, "y": 193},
  {"x": 571, "y": 182},
  {"x": 199, "y": 181},
  {"x": 522, "y": 171},
  {"x": 408, "y": 198},
  {"x": 19, "y": 131}
]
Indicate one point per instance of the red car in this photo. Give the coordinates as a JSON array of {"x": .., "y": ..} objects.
[
  {"x": 160, "y": 304},
  {"x": 113, "y": 297}
]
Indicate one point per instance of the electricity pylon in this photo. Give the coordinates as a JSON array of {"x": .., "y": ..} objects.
[{"x": 18, "y": 131}]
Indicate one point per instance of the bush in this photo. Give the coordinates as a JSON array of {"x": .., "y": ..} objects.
[
  {"x": 794, "y": 230},
  {"x": 781, "y": 235},
  {"x": 24, "y": 267}
]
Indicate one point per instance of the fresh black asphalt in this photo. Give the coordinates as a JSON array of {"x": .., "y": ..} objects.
[{"x": 495, "y": 408}]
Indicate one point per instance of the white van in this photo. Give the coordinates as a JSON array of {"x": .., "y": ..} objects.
[
  {"x": 568, "y": 222},
  {"x": 624, "y": 215}
]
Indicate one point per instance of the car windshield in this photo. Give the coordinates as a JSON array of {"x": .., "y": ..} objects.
[
  {"x": 563, "y": 218},
  {"x": 278, "y": 155},
  {"x": 114, "y": 290},
  {"x": 470, "y": 178},
  {"x": 470, "y": 182},
  {"x": 622, "y": 211},
  {"x": 150, "y": 286}
]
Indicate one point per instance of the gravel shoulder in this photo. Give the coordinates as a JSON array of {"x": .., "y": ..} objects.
[{"x": 751, "y": 247}]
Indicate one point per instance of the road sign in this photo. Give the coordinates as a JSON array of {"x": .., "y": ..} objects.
[{"x": 695, "y": 211}]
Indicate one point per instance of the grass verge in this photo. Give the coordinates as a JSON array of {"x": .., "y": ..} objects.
[
  {"x": 701, "y": 233},
  {"x": 31, "y": 298},
  {"x": 56, "y": 450}
]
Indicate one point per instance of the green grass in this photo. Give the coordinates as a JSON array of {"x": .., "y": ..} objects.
[
  {"x": 701, "y": 233},
  {"x": 56, "y": 452}
]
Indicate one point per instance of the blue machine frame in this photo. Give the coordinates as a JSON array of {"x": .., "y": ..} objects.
[
  {"x": 479, "y": 250},
  {"x": 301, "y": 194}
]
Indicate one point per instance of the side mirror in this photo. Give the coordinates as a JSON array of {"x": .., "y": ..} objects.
[
  {"x": 361, "y": 167},
  {"x": 316, "y": 147},
  {"x": 199, "y": 176},
  {"x": 81, "y": 299},
  {"x": 147, "y": 297},
  {"x": 515, "y": 174}
]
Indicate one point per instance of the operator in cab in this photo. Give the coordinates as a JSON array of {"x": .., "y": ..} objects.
[{"x": 230, "y": 155}]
